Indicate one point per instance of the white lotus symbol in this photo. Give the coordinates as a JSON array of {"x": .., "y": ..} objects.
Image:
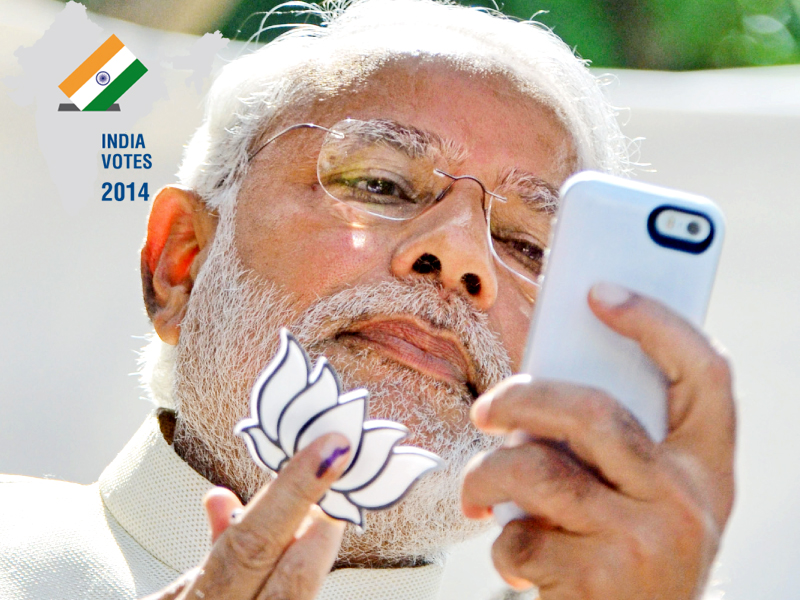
[{"x": 291, "y": 407}]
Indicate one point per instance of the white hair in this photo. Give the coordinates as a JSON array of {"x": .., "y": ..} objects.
[{"x": 357, "y": 37}]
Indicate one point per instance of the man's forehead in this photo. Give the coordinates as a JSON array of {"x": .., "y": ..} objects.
[{"x": 396, "y": 80}]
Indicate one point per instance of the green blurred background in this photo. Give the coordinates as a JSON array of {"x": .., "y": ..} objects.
[{"x": 638, "y": 34}]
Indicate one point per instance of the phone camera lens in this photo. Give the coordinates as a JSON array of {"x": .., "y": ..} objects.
[{"x": 693, "y": 228}]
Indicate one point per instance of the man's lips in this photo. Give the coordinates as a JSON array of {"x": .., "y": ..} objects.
[{"x": 416, "y": 344}]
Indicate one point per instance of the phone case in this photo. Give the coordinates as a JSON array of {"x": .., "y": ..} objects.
[{"x": 602, "y": 233}]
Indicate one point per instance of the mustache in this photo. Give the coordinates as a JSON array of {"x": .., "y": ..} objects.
[{"x": 424, "y": 299}]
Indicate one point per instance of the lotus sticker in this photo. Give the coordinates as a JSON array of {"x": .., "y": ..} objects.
[{"x": 291, "y": 406}]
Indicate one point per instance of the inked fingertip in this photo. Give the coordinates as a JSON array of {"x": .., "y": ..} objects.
[{"x": 333, "y": 454}]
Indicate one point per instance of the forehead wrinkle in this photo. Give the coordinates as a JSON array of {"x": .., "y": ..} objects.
[{"x": 533, "y": 190}]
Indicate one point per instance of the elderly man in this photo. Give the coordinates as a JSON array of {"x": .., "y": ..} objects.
[{"x": 345, "y": 183}]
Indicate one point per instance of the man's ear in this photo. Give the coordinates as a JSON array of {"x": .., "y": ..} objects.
[{"x": 179, "y": 234}]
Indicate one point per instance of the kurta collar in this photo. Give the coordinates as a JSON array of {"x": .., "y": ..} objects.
[{"x": 157, "y": 498}]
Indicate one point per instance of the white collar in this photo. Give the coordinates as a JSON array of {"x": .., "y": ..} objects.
[{"x": 156, "y": 497}]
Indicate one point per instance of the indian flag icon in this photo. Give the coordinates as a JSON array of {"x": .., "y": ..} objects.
[{"x": 103, "y": 77}]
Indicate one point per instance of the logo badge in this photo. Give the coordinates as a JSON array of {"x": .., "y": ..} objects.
[
  {"x": 101, "y": 79},
  {"x": 292, "y": 405}
]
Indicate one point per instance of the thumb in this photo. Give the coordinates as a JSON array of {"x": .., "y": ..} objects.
[{"x": 220, "y": 504}]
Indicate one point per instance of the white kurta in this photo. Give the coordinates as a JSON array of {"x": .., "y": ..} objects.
[{"x": 135, "y": 531}]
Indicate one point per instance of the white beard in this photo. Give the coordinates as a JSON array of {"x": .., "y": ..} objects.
[{"x": 229, "y": 334}]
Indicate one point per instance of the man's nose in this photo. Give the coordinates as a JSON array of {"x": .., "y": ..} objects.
[{"x": 449, "y": 243}]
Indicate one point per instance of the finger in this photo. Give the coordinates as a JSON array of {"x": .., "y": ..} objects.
[
  {"x": 701, "y": 409},
  {"x": 550, "y": 559},
  {"x": 220, "y": 504},
  {"x": 545, "y": 482},
  {"x": 302, "y": 569},
  {"x": 630, "y": 563},
  {"x": 676, "y": 346},
  {"x": 599, "y": 431},
  {"x": 246, "y": 553}
]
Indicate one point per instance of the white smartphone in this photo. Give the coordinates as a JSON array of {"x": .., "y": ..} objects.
[{"x": 659, "y": 242}]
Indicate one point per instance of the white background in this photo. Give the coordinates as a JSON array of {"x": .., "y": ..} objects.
[{"x": 71, "y": 311}]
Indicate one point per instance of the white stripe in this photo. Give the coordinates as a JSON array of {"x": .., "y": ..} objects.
[{"x": 115, "y": 65}]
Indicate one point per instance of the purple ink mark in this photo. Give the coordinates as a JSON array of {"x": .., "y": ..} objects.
[{"x": 326, "y": 464}]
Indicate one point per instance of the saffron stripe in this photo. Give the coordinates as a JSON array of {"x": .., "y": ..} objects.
[
  {"x": 91, "y": 65},
  {"x": 119, "y": 86}
]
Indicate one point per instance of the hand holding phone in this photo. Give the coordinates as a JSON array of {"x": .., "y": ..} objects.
[{"x": 660, "y": 243}]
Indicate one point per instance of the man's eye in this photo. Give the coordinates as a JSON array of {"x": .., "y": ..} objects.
[
  {"x": 526, "y": 254},
  {"x": 374, "y": 189},
  {"x": 380, "y": 187}
]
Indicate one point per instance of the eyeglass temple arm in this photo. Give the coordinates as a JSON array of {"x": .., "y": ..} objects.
[
  {"x": 334, "y": 133},
  {"x": 455, "y": 178}
]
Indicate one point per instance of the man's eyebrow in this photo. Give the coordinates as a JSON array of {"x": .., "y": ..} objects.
[
  {"x": 534, "y": 191},
  {"x": 406, "y": 138}
]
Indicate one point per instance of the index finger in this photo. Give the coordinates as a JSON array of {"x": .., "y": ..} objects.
[{"x": 247, "y": 552}]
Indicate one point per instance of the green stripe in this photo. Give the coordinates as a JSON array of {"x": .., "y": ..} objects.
[{"x": 119, "y": 86}]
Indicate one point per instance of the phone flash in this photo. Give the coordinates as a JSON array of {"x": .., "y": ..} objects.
[{"x": 685, "y": 226}]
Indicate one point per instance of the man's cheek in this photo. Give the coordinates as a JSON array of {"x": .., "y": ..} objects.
[
  {"x": 360, "y": 246},
  {"x": 342, "y": 257},
  {"x": 511, "y": 320}
]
